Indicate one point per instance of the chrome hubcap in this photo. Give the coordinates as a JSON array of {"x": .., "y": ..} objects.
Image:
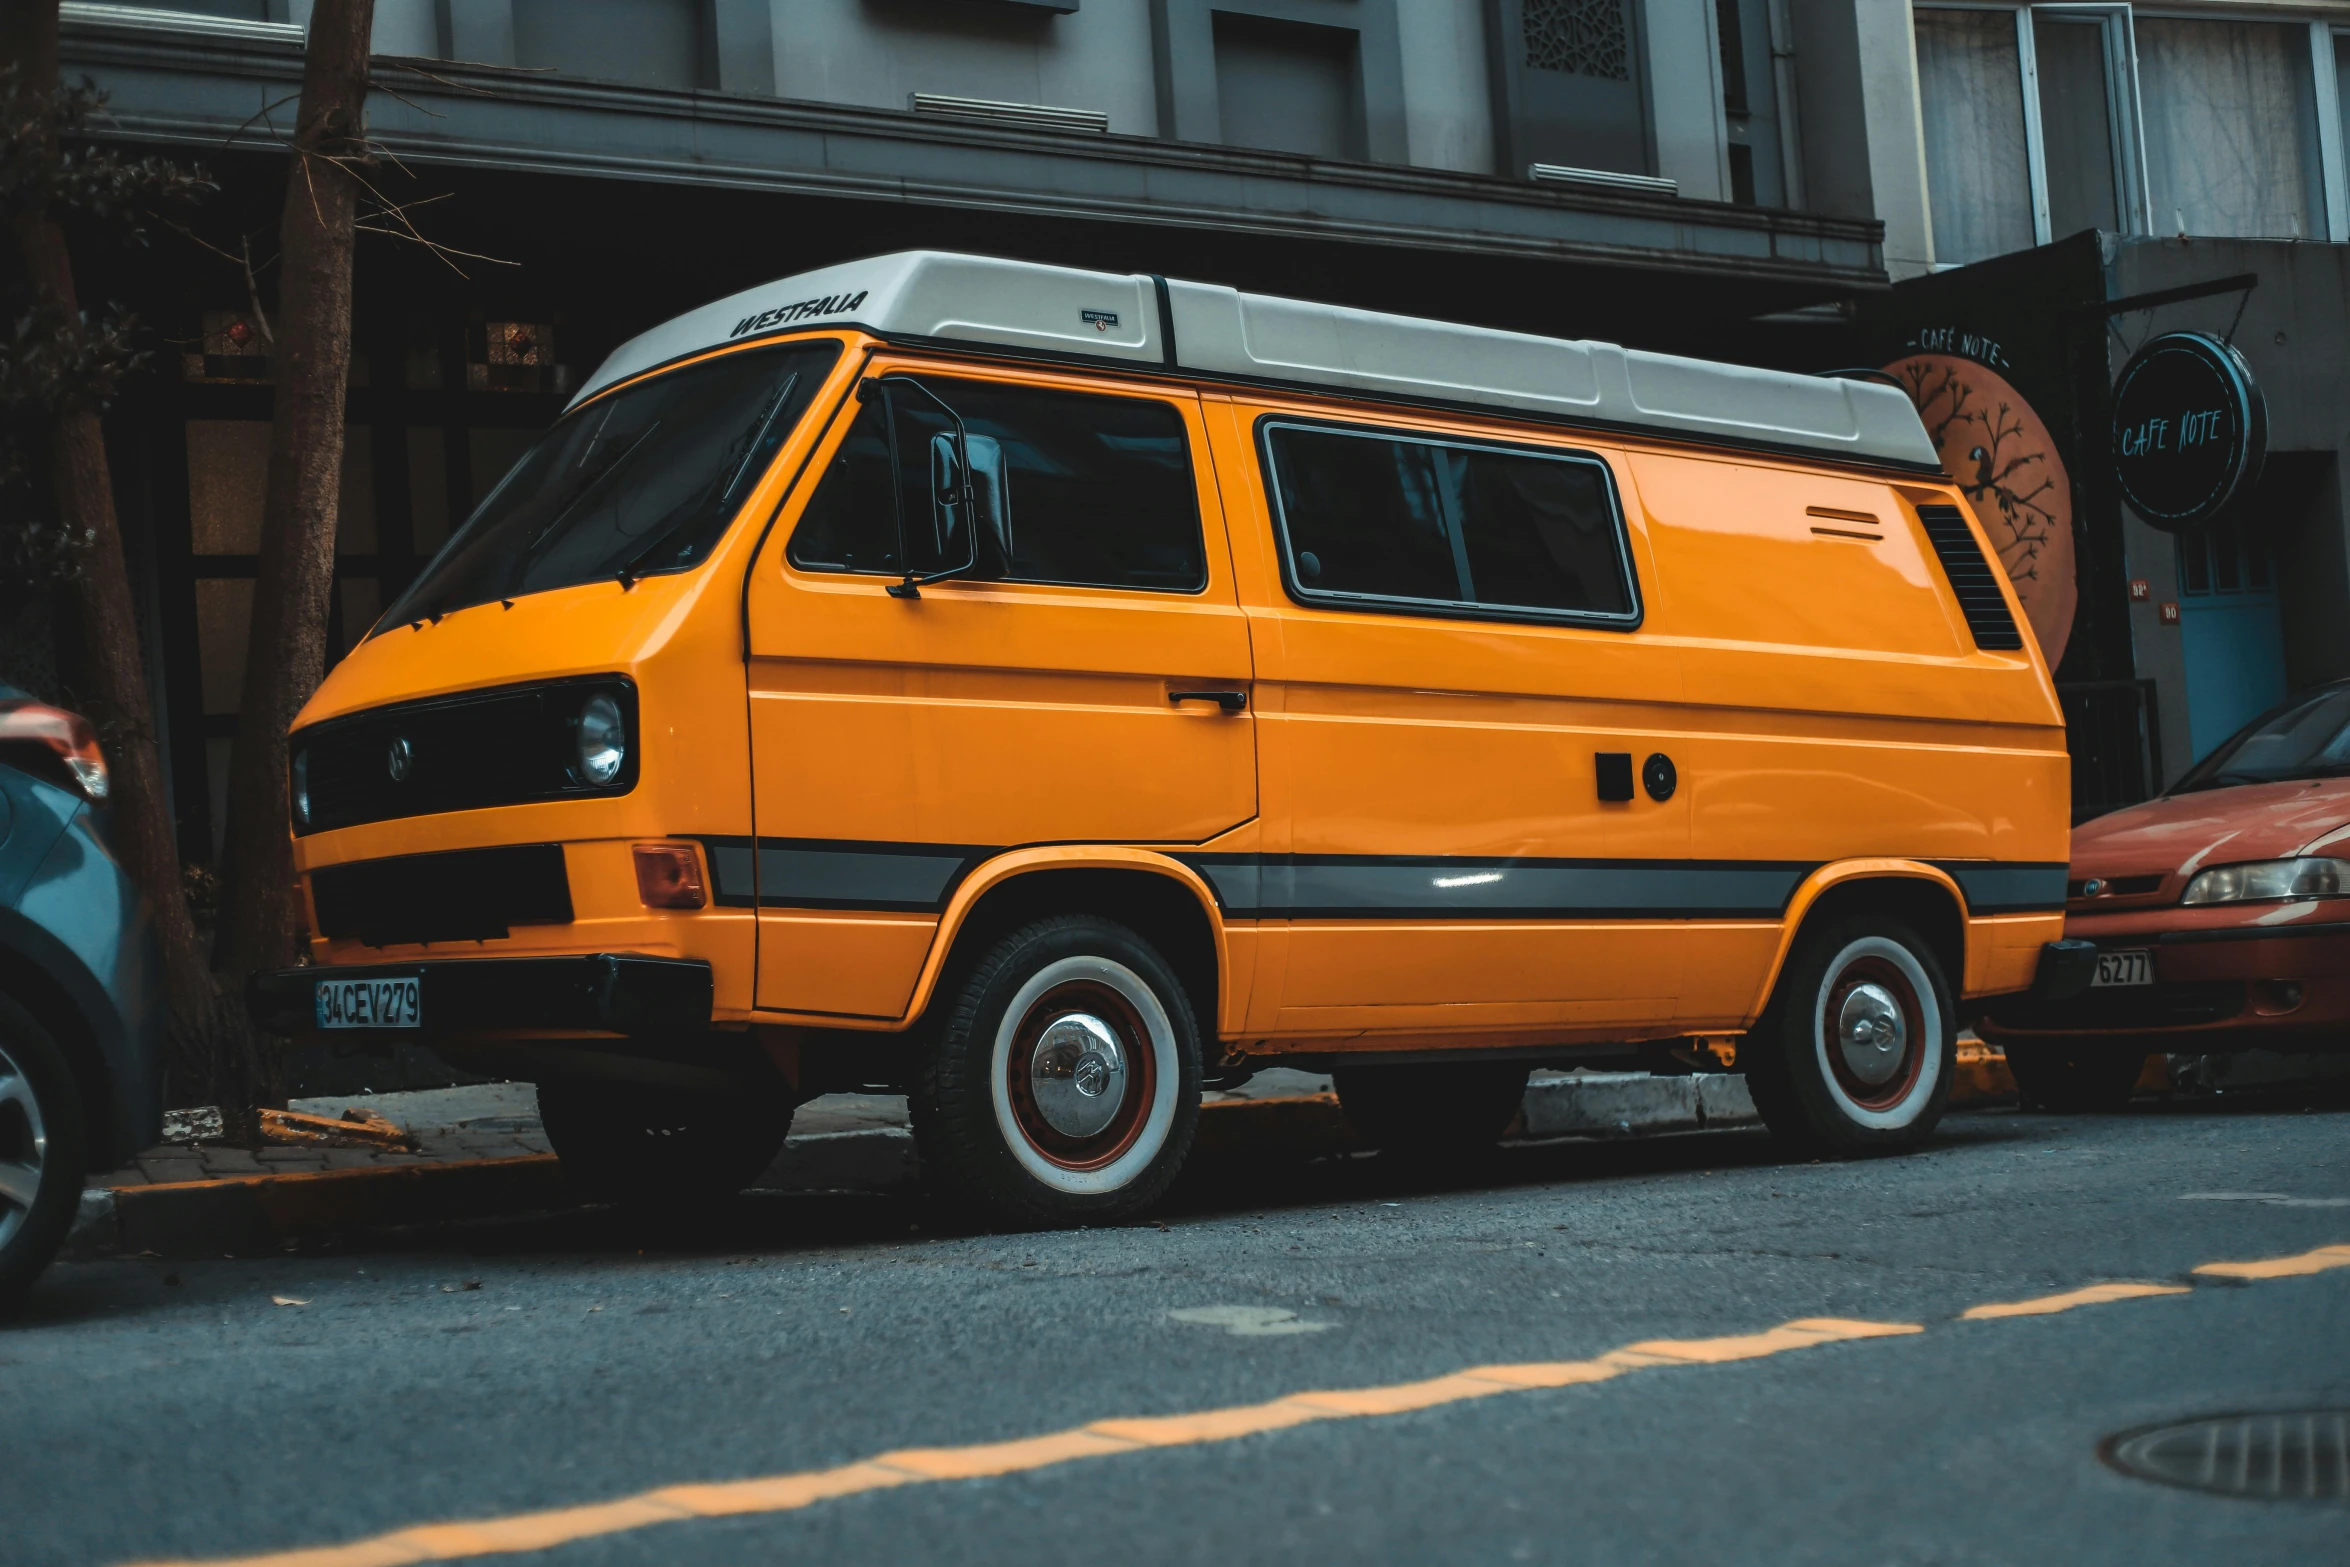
[
  {"x": 1077, "y": 1075},
  {"x": 24, "y": 1148},
  {"x": 1872, "y": 1034}
]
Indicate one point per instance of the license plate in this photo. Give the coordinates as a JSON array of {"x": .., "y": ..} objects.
[
  {"x": 368, "y": 1003},
  {"x": 2134, "y": 967}
]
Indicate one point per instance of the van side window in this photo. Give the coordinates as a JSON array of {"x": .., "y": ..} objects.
[
  {"x": 1439, "y": 523},
  {"x": 1076, "y": 489}
]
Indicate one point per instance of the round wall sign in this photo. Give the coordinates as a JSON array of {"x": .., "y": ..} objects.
[
  {"x": 2190, "y": 430},
  {"x": 2004, "y": 457}
]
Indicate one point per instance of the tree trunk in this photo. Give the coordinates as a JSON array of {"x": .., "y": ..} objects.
[
  {"x": 310, "y": 352},
  {"x": 142, "y": 829}
]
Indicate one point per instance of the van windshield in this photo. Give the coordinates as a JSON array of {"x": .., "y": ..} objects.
[{"x": 639, "y": 482}]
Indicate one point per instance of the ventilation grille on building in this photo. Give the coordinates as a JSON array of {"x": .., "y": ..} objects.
[
  {"x": 1043, "y": 116},
  {"x": 1580, "y": 37},
  {"x": 1972, "y": 578}
]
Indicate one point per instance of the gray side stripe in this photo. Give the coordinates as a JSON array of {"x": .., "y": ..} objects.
[
  {"x": 730, "y": 869},
  {"x": 2007, "y": 889},
  {"x": 855, "y": 879},
  {"x": 1280, "y": 886},
  {"x": 826, "y": 874}
]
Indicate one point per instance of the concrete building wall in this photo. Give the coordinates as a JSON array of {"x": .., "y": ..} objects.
[
  {"x": 1448, "y": 115},
  {"x": 1685, "y": 97},
  {"x": 2291, "y": 328},
  {"x": 878, "y": 52},
  {"x": 1110, "y": 56},
  {"x": 1863, "y": 141}
]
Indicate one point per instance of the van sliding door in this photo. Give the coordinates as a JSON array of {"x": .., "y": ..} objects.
[{"x": 1447, "y": 644}]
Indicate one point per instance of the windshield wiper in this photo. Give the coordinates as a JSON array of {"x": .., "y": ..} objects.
[
  {"x": 595, "y": 484},
  {"x": 634, "y": 567},
  {"x": 523, "y": 555}
]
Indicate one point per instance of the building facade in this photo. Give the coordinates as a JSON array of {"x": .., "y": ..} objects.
[
  {"x": 1631, "y": 169},
  {"x": 1817, "y": 184},
  {"x": 2097, "y": 175}
]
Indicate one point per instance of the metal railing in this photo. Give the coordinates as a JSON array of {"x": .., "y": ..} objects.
[{"x": 2115, "y": 738}]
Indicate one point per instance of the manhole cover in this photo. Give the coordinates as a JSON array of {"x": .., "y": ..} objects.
[{"x": 2301, "y": 1455}]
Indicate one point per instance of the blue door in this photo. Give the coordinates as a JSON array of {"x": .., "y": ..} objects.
[{"x": 2232, "y": 638}]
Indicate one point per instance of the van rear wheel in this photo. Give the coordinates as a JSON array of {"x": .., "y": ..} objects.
[
  {"x": 1856, "y": 1051},
  {"x": 1062, "y": 1086},
  {"x": 633, "y": 1143},
  {"x": 1431, "y": 1106}
]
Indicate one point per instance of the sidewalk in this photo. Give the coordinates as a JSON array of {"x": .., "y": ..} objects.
[
  {"x": 482, "y": 1150},
  {"x": 493, "y": 1121}
]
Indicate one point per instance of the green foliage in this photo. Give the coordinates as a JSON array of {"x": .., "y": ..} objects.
[
  {"x": 50, "y": 163},
  {"x": 53, "y": 363}
]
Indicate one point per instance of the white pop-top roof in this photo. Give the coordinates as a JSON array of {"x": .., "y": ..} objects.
[{"x": 1222, "y": 332}]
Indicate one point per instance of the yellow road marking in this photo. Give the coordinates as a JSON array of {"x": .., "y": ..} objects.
[
  {"x": 1103, "y": 1438},
  {"x": 2094, "y": 1295},
  {"x": 2281, "y": 1267},
  {"x": 916, "y": 1465}
]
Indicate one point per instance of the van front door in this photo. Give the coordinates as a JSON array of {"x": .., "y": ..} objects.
[{"x": 1085, "y": 679}]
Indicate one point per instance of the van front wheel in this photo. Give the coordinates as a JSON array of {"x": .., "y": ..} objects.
[
  {"x": 1062, "y": 1086},
  {"x": 1856, "y": 1051}
]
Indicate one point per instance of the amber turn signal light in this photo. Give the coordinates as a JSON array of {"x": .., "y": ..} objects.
[{"x": 669, "y": 876}]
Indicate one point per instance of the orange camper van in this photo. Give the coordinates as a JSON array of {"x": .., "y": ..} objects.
[{"x": 1047, "y": 693}]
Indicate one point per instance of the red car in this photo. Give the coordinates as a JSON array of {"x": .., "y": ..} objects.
[{"x": 2220, "y": 914}]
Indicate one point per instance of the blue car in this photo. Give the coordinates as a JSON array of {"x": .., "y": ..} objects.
[{"x": 81, "y": 987}]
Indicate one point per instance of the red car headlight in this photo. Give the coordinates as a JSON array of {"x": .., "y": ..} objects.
[{"x": 2271, "y": 881}]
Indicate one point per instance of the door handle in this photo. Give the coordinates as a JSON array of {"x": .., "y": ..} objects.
[{"x": 1230, "y": 701}]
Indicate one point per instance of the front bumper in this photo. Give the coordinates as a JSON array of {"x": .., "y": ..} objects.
[
  {"x": 594, "y": 993},
  {"x": 2215, "y": 988}
]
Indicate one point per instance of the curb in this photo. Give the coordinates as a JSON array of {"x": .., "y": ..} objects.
[
  {"x": 255, "y": 1214},
  {"x": 251, "y": 1214}
]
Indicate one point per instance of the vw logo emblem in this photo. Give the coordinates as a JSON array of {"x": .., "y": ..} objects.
[{"x": 400, "y": 760}]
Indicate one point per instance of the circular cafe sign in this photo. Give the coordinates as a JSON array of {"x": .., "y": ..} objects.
[
  {"x": 2190, "y": 430},
  {"x": 2002, "y": 454}
]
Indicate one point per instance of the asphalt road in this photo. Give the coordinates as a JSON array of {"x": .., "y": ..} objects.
[{"x": 157, "y": 1410}]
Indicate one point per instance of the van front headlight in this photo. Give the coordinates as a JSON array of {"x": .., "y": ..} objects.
[
  {"x": 602, "y": 738},
  {"x": 2271, "y": 881}
]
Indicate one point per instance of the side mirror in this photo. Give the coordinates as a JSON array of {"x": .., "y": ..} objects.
[
  {"x": 960, "y": 486},
  {"x": 952, "y": 504}
]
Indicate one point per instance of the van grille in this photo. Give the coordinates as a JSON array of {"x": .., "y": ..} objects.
[
  {"x": 470, "y": 895},
  {"x": 502, "y": 747},
  {"x": 1971, "y": 578}
]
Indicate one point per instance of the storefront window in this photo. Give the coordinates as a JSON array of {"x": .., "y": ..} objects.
[
  {"x": 1978, "y": 177},
  {"x": 2231, "y": 128},
  {"x": 2225, "y": 559}
]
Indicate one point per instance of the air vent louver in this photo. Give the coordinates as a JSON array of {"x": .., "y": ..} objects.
[{"x": 1972, "y": 578}]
